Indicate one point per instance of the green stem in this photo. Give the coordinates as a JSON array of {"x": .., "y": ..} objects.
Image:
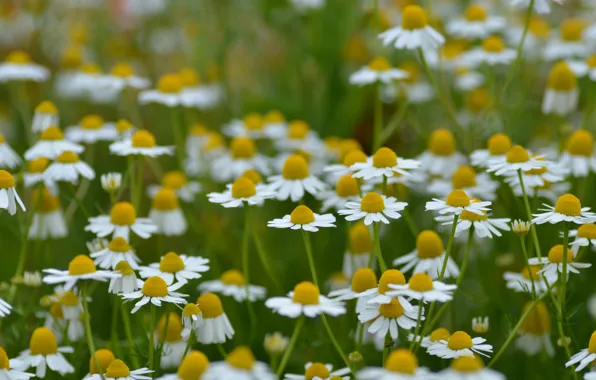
[
  {"x": 311, "y": 261},
  {"x": 334, "y": 341},
  {"x": 449, "y": 247},
  {"x": 377, "y": 246},
  {"x": 378, "y": 127},
  {"x": 222, "y": 350},
  {"x": 564, "y": 275},
  {"x": 151, "y": 331},
  {"x": 87, "y": 323},
  {"x": 290, "y": 348},
  {"x": 246, "y": 270},
  {"x": 393, "y": 124},
  {"x": 264, "y": 259},
  {"x": 191, "y": 337},
  {"x": 114, "y": 329},
  {"x": 139, "y": 184},
  {"x": 418, "y": 325},
  {"x": 128, "y": 332},
  {"x": 529, "y": 213},
  {"x": 522, "y": 240},
  {"x": 178, "y": 136},
  {"x": 386, "y": 348},
  {"x": 163, "y": 336}
]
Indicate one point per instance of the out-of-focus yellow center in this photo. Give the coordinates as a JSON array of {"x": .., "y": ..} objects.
[
  {"x": 464, "y": 177},
  {"x": 561, "y": 78},
  {"x": 538, "y": 321},
  {"x": 189, "y": 77},
  {"x": 193, "y": 366},
  {"x": 440, "y": 334},
  {"x": 45, "y": 201},
  {"x": 143, "y": 139},
  {"x": 475, "y": 12},
  {"x": 442, "y": 142},
  {"x": 242, "y": 148},
  {"x": 252, "y": 175},
  {"x": 384, "y": 158},
  {"x": 379, "y": 64},
  {"x": 353, "y": 157},
  {"x": 243, "y": 188},
  {"x": 499, "y": 144},
  {"x": 122, "y": 70},
  {"x": 364, "y": 279},
  {"x": 347, "y": 186},
  {"x": 580, "y": 143},
  {"x": 68, "y": 158},
  {"x": 166, "y": 200},
  {"x": 170, "y": 84},
  {"x": 117, "y": 369},
  {"x": 174, "y": 179},
  {"x": 414, "y": 17},
  {"x": 52, "y": 133},
  {"x": 92, "y": 122},
  {"x": 390, "y": 276},
  {"x": 402, "y": 361},
  {"x": 360, "y": 239},
  {"x": 429, "y": 245},
  {"x": 572, "y": 29},
  {"x": 478, "y": 100},
  {"x": 104, "y": 358},
  {"x": 253, "y": 121},
  {"x": 174, "y": 330},
  {"x": 298, "y": 130},
  {"x": 232, "y": 277},
  {"x": 210, "y": 305},
  {"x": 555, "y": 255},
  {"x": 517, "y": 154},
  {"x": 18, "y": 57},
  {"x": 295, "y": 167},
  {"x": 37, "y": 165},
  {"x": 467, "y": 364},
  {"x": 46, "y": 107},
  {"x": 587, "y": 231}
]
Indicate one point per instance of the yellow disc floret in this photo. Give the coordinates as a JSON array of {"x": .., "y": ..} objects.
[
  {"x": 475, "y": 12},
  {"x": 166, "y": 200},
  {"x": 306, "y": 293},
  {"x": 459, "y": 341},
  {"x": 174, "y": 328},
  {"x": 243, "y": 188},
  {"x": 45, "y": 201},
  {"x": 467, "y": 364},
  {"x": 347, "y": 186},
  {"x": 364, "y": 279},
  {"x": 414, "y": 17},
  {"x": 171, "y": 263},
  {"x": 122, "y": 70},
  {"x": 81, "y": 265},
  {"x": 440, "y": 334},
  {"x": 67, "y": 158},
  {"x": 372, "y": 203},
  {"x": 402, "y": 361},
  {"x": 384, "y": 158},
  {"x": 499, "y": 144},
  {"x": 561, "y": 78},
  {"x": 493, "y": 44},
  {"x": 441, "y": 143},
  {"x": 464, "y": 177},
  {"x": 51, "y": 133},
  {"x": 117, "y": 369},
  {"x": 92, "y": 122},
  {"x": 143, "y": 139},
  {"x": 458, "y": 198},
  {"x": 46, "y": 107},
  {"x": 302, "y": 215},
  {"x": 316, "y": 370},
  {"x": 538, "y": 320},
  {"x": 360, "y": 239},
  {"x": 124, "y": 268},
  {"x": 298, "y": 130},
  {"x": 170, "y": 84},
  {"x": 242, "y": 148},
  {"x": 394, "y": 309},
  {"x": 390, "y": 276},
  {"x": 155, "y": 287},
  {"x": 517, "y": 154},
  {"x": 174, "y": 179},
  {"x": 580, "y": 143},
  {"x": 6, "y": 180},
  {"x": 354, "y": 156},
  {"x": 555, "y": 255},
  {"x": 569, "y": 205},
  {"x": 18, "y": 57},
  {"x": 253, "y": 121},
  {"x": 193, "y": 366},
  {"x": 572, "y": 29},
  {"x": 295, "y": 167},
  {"x": 242, "y": 358},
  {"x": 429, "y": 245},
  {"x": 587, "y": 231},
  {"x": 420, "y": 282},
  {"x": 104, "y": 358},
  {"x": 232, "y": 277},
  {"x": 210, "y": 305},
  {"x": 379, "y": 64},
  {"x": 43, "y": 342},
  {"x": 123, "y": 214}
]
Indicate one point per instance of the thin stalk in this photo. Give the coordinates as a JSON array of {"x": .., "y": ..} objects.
[
  {"x": 139, "y": 184},
  {"x": 245, "y": 269},
  {"x": 265, "y": 260},
  {"x": 150, "y": 337},
  {"x": 449, "y": 247},
  {"x": 529, "y": 214},
  {"x": 386, "y": 348},
  {"x": 378, "y": 126},
  {"x": 418, "y": 326},
  {"x": 178, "y": 137},
  {"x": 290, "y": 348},
  {"x": 221, "y": 350},
  {"x": 128, "y": 332},
  {"x": 114, "y": 329},
  {"x": 163, "y": 336},
  {"x": 393, "y": 124},
  {"x": 334, "y": 341},
  {"x": 522, "y": 240},
  {"x": 377, "y": 246},
  {"x": 311, "y": 262},
  {"x": 191, "y": 337},
  {"x": 87, "y": 323},
  {"x": 564, "y": 275}
]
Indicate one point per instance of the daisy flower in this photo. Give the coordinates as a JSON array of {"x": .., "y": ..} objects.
[
  {"x": 384, "y": 163},
  {"x": 584, "y": 68},
  {"x": 180, "y": 268},
  {"x": 516, "y": 159},
  {"x": 216, "y": 327},
  {"x": 255, "y": 126},
  {"x": 122, "y": 219},
  {"x": 302, "y": 218},
  {"x": 467, "y": 79},
  {"x": 240, "y": 364},
  {"x": 567, "y": 209},
  {"x": 168, "y": 91},
  {"x": 295, "y": 180},
  {"x": 428, "y": 257},
  {"x": 436, "y": 335},
  {"x": 91, "y": 129},
  {"x": 193, "y": 366},
  {"x": 346, "y": 190},
  {"x": 104, "y": 358},
  {"x": 484, "y": 227},
  {"x": 522, "y": 281},
  {"x": 401, "y": 364},
  {"x": 459, "y": 344},
  {"x": 34, "y": 172},
  {"x": 469, "y": 368},
  {"x": 319, "y": 371},
  {"x": 578, "y": 156},
  {"x": 242, "y": 191},
  {"x": 156, "y": 291},
  {"x": 550, "y": 173},
  {"x": 124, "y": 280},
  {"x": 421, "y": 287},
  {"x": 585, "y": 356},
  {"x": 44, "y": 353},
  {"x": 414, "y": 32},
  {"x": 492, "y": 52},
  {"x": 68, "y": 168},
  {"x": 243, "y": 156},
  {"x": 51, "y": 144},
  {"x": 540, "y": 6},
  {"x": 441, "y": 157},
  {"x": 378, "y": 294},
  {"x": 497, "y": 147},
  {"x": 176, "y": 180},
  {"x": 118, "y": 370},
  {"x": 305, "y": 300},
  {"x": 552, "y": 265},
  {"x": 18, "y": 67},
  {"x": 81, "y": 268},
  {"x": 300, "y": 137},
  {"x": 8, "y": 157},
  {"x": 117, "y": 250},
  {"x": 359, "y": 249},
  {"x": 373, "y": 207},
  {"x": 5, "y": 308},
  {"x": 378, "y": 71},
  {"x": 44, "y": 116},
  {"x": 232, "y": 283},
  {"x": 562, "y": 93},
  {"x": 48, "y": 219},
  {"x": 534, "y": 333},
  {"x": 121, "y": 76},
  {"x": 192, "y": 318},
  {"x": 336, "y": 171},
  {"x": 197, "y": 95},
  {"x": 141, "y": 143},
  {"x": 386, "y": 317},
  {"x": 584, "y": 236},
  {"x": 363, "y": 280},
  {"x": 456, "y": 203},
  {"x": 166, "y": 213},
  {"x": 169, "y": 331},
  {"x": 475, "y": 24},
  {"x": 476, "y": 185},
  {"x": 569, "y": 43}
]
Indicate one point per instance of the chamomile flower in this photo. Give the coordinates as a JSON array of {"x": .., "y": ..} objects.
[
  {"x": 552, "y": 265},
  {"x": 300, "y": 137},
  {"x": 567, "y": 209},
  {"x": 176, "y": 180},
  {"x": 169, "y": 331},
  {"x": 302, "y": 218},
  {"x": 216, "y": 327},
  {"x": 255, "y": 126},
  {"x": 44, "y": 353},
  {"x": 124, "y": 280},
  {"x": 295, "y": 180},
  {"x": 476, "y": 23},
  {"x": 414, "y": 32},
  {"x": 384, "y": 163},
  {"x": 378, "y": 71},
  {"x": 319, "y": 371},
  {"x": 346, "y": 190},
  {"x": 240, "y": 364},
  {"x": 117, "y": 250},
  {"x": 81, "y": 268},
  {"x": 192, "y": 318},
  {"x": 578, "y": 156},
  {"x": 121, "y": 76},
  {"x": 197, "y": 95},
  {"x": 118, "y": 370},
  {"x": 550, "y": 173},
  {"x": 436, "y": 335},
  {"x": 193, "y": 366},
  {"x": 363, "y": 280},
  {"x": 338, "y": 170},
  {"x": 540, "y": 6},
  {"x": 584, "y": 236},
  {"x": 569, "y": 43},
  {"x": 535, "y": 331},
  {"x": 168, "y": 91},
  {"x": 373, "y": 207},
  {"x": 241, "y": 191},
  {"x": 428, "y": 257},
  {"x": 156, "y": 291},
  {"x": 173, "y": 267},
  {"x": 48, "y": 219},
  {"x": 305, "y": 300},
  {"x": 441, "y": 158},
  {"x": 378, "y": 294},
  {"x": 18, "y": 67},
  {"x": 5, "y": 308},
  {"x": 585, "y": 356},
  {"x": 562, "y": 93},
  {"x": 467, "y": 79},
  {"x": 242, "y": 156},
  {"x": 421, "y": 287},
  {"x": 232, "y": 283},
  {"x": 497, "y": 147},
  {"x": 401, "y": 364},
  {"x": 359, "y": 250},
  {"x": 384, "y": 318},
  {"x": 104, "y": 358},
  {"x": 91, "y": 129},
  {"x": 45, "y": 115},
  {"x": 469, "y": 368},
  {"x": 122, "y": 219},
  {"x": 456, "y": 203},
  {"x": 141, "y": 143},
  {"x": 516, "y": 159},
  {"x": 484, "y": 227},
  {"x": 492, "y": 52},
  {"x": 51, "y": 144},
  {"x": 166, "y": 213},
  {"x": 477, "y": 185},
  {"x": 459, "y": 344},
  {"x": 522, "y": 281},
  {"x": 586, "y": 68},
  {"x": 68, "y": 168},
  {"x": 8, "y": 157}
]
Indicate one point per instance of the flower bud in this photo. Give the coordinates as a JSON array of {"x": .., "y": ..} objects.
[
  {"x": 480, "y": 325},
  {"x": 275, "y": 344},
  {"x": 521, "y": 227},
  {"x": 111, "y": 182}
]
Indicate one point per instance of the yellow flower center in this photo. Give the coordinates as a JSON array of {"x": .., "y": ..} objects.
[
  {"x": 452, "y": 50},
  {"x": 193, "y": 366},
  {"x": 46, "y": 107},
  {"x": 198, "y": 129},
  {"x": 402, "y": 361},
  {"x": 379, "y": 64},
  {"x": 69, "y": 299},
  {"x": 414, "y": 17},
  {"x": 123, "y": 214},
  {"x": 499, "y": 144},
  {"x": 538, "y": 171},
  {"x": 68, "y": 157},
  {"x": 37, "y": 165},
  {"x": 170, "y": 84},
  {"x": 467, "y": 364},
  {"x": 364, "y": 279},
  {"x": 243, "y": 188},
  {"x": 90, "y": 69},
  {"x": 171, "y": 263},
  {"x": 493, "y": 44},
  {"x": 384, "y": 158},
  {"x": 252, "y": 175},
  {"x": 166, "y": 200},
  {"x": 143, "y": 139},
  {"x": 587, "y": 231},
  {"x": 475, "y": 13},
  {"x": 18, "y": 57},
  {"x": 478, "y": 100},
  {"x": 81, "y": 265},
  {"x": 317, "y": 370},
  {"x": 306, "y": 293},
  {"x": 464, "y": 177},
  {"x": 458, "y": 198},
  {"x": 123, "y": 126},
  {"x": 298, "y": 130},
  {"x": 555, "y": 255},
  {"x": 56, "y": 311},
  {"x": 117, "y": 369},
  {"x": 353, "y": 157},
  {"x": 420, "y": 282},
  {"x": 561, "y": 78},
  {"x": 538, "y": 321},
  {"x": 124, "y": 268},
  {"x": 580, "y": 143},
  {"x": 413, "y": 71},
  {"x": 51, "y": 133},
  {"x": 440, "y": 334},
  {"x": 391, "y": 310},
  {"x": 347, "y": 186},
  {"x": 155, "y": 287},
  {"x": 302, "y": 215},
  {"x": 473, "y": 217},
  {"x": 122, "y": 70},
  {"x": 372, "y": 202},
  {"x": 242, "y": 358},
  {"x": 295, "y": 167},
  {"x": 104, "y": 358},
  {"x": 539, "y": 27},
  {"x": 174, "y": 330},
  {"x": 214, "y": 141},
  {"x": 360, "y": 239},
  {"x": 43, "y": 342},
  {"x": 592, "y": 344},
  {"x": 210, "y": 305},
  {"x": 517, "y": 154},
  {"x": 390, "y": 276},
  {"x": 274, "y": 116},
  {"x": 47, "y": 203},
  {"x": 92, "y": 122},
  {"x": 568, "y": 204},
  {"x": 242, "y": 148},
  {"x": 232, "y": 277},
  {"x": 189, "y": 77},
  {"x": 253, "y": 121},
  {"x": 174, "y": 180},
  {"x": 533, "y": 272},
  {"x": 572, "y": 29},
  {"x": 4, "y": 361},
  {"x": 459, "y": 341},
  {"x": 429, "y": 245},
  {"x": 6, "y": 180},
  {"x": 346, "y": 146},
  {"x": 190, "y": 310},
  {"x": 442, "y": 143},
  {"x": 591, "y": 61}
]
